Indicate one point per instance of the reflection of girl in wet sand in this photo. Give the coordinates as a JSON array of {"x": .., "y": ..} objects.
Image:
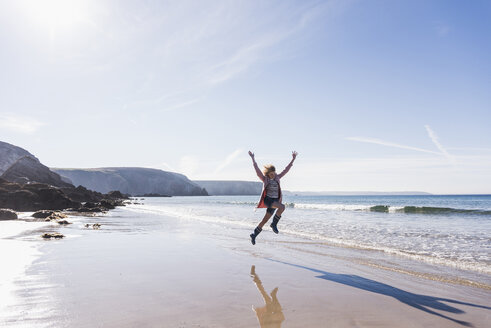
[{"x": 270, "y": 315}]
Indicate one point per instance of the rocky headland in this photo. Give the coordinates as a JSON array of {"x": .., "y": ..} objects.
[{"x": 28, "y": 185}]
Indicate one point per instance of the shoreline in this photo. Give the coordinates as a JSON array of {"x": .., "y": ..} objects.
[
  {"x": 390, "y": 259},
  {"x": 161, "y": 271}
]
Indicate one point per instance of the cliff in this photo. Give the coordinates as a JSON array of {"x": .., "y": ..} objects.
[
  {"x": 133, "y": 181},
  {"x": 220, "y": 188}
]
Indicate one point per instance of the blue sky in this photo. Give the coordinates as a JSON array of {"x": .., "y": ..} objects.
[{"x": 374, "y": 95}]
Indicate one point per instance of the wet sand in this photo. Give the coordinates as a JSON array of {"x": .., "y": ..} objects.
[{"x": 150, "y": 271}]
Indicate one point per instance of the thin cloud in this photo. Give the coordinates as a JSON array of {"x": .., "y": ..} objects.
[
  {"x": 181, "y": 104},
  {"x": 434, "y": 139},
  {"x": 230, "y": 158},
  {"x": 26, "y": 125},
  {"x": 256, "y": 50},
  {"x": 391, "y": 144},
  {"x": 238, "y": 63},
  {"x": 226, "y": 49}
]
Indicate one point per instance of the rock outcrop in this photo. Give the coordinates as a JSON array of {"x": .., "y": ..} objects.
[
  {"x": 6, "y": 214},
  {"x": 33, "y": 197},
  {"x": 28, "y": 169},
  {"x": 133, "y": 181},
  {"x": 152, "y": 195},
  {"x": 220, "y": 188},
  {"x": 40, "y": 196}
]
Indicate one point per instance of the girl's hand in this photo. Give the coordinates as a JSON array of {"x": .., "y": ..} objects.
[
  {"x": 294, "y": 154},
  {"x": 251, "y": 154}
]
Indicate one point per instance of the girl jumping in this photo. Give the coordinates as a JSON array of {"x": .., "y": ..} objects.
[{"x": 271, "y": 194}]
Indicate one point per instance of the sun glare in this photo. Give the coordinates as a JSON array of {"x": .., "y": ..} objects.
[{"x": 57, "y": 13}]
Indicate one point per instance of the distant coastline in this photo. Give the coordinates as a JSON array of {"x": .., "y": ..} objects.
[{"x": 357, "y": 193}]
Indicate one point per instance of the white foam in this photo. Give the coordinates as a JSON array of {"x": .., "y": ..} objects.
[
  {"x": 394, "y": 209},
  {"x": 394, "y": 237},
  {"x": 334, "y": 207}
]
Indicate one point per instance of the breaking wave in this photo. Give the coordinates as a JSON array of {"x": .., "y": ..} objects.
[
  {"x": 394, "y": 209},
  {"x": 377, "y": 208}
]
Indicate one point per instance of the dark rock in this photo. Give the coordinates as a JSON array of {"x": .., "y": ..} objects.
[
  {"x": 64, "y": 222},
  {"x": 54, "y": 199},
  {"x": 50, "y": 235},
  {"x": 116, "y": 194},
  {"x": 56, "y": 216},
  {"x": 42, "y": 214},
  {"x": 90, "y": 205},
  {"x": 6, "y": 214},
  {"x": 19, "y": 200},
  {"x": 21, "y": 180},
  {"x": 106, "y": 203},
  {"x": 112, "y": 203},
  {"x": 82, "y": 194},
  {"x": 33, "y": 197},
  {"x": 7, "y": 186},
  {"x": 93, "y": 209},
  {"x": 102, "y": 206},
  {"x": 153, "y": 195}
]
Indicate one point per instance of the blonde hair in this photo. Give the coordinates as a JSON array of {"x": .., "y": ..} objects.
[{"x": 268, "y": 169}]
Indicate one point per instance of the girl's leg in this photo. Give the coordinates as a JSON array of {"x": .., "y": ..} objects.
[
  {"x": 280, "y": 209},
  {"x": 259, "y": 228},
  {"x": 267, "y": 216}
]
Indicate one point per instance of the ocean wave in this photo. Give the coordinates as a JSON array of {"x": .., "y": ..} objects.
[
  {"x": 464, "y": 259},
  {"x": 391, "y": 209},
  {"x": 468, "y": 264},
  {"x": 373, "y": 208},
  {"x": 426, "y": 210}
]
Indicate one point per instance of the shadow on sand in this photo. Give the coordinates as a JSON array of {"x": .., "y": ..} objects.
[{"x": 421, "y": 302}]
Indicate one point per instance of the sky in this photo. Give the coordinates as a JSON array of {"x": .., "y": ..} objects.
[{"x": 374, "y": 95}]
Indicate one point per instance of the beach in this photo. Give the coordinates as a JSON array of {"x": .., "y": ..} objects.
[{"x": 158, "y": 264}]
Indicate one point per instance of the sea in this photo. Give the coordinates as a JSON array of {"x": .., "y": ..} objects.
[{"x": 439, "y": 237}]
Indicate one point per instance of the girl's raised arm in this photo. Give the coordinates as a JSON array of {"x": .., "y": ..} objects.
[
  {"x": 258, "y": 171},
  {"x": 289, "y": 166}
]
